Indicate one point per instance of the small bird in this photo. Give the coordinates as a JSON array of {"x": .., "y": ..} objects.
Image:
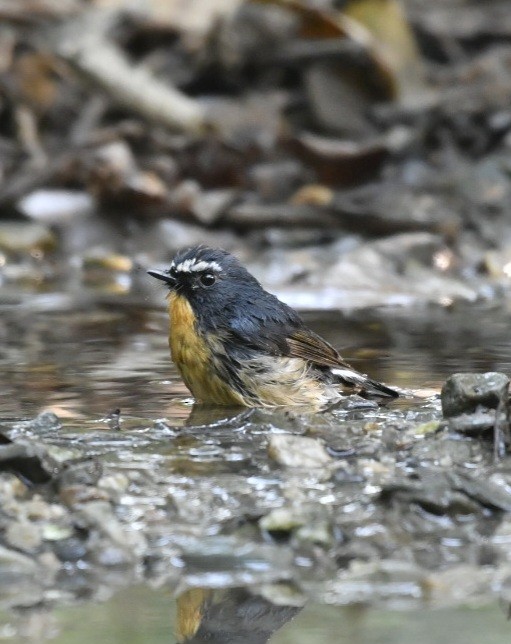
[{"x": 236, "y": 344}]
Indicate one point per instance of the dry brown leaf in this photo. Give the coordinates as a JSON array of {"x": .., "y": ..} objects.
[
  {"x": 393, "y": 42},
  {"x": 35, "y": 80},
  {"x": 340, "y": 162},
  {"x": 312, "y": 195},
  {"x": 380, "y": 28}
]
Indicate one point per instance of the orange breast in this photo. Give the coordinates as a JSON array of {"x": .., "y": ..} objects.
[{"x": 193, "y": 357}]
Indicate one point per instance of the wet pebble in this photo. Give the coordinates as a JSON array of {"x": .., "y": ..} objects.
[
  {"x": 491, "y": 492},
  {"x": 283, "y": 520},
  {"x": 112, "y": 556},
  {"x": 44, "y": 422},
  {"x": 84, "y": 472},
  {"x": 23, "y": 535},
  {"x": 14, "y": 563},
  {"x": 70, "y": 549},
  {"x": 73, "y": 495},
  {"x": 424, "y": 429},
  {"x": 56, "y": 532},
  {"x": 298, "y": 452},
  {"x": 473, "y": 424},
  {"x": 11, "y": 487},
  {"x": 317, "y": 532},
  {"x": 99, "y": 515},
  {"x": 56, "y": 206},
  {"x": 37, "y": 509},
  {"x": 116, "y": 483},
  {"x": 28, "y": 460},
  {"x": 24, "y": 238},
  {"x": 356, "y": 402},
  {"x": 464, "y": 392}
]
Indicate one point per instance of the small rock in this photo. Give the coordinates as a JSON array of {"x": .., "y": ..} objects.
[
  {"x": 37, "y": 509},
  {"x": 56, "y": 205},
  {"x": 116, "y": 483},
  {"x": 276, "y": 181},
  {"x": 61, "y": 454},
  {"x": 427, "y": 428},
  {"x": 282, "y": 520},
  {"x": 46, "y": 421},
  {"x": 12, "y": 488},
  {"x": 27, "y": 460},
  {"x": 313, "y": 194},
  {"x": 55, "y": 532},
  {"x": 318, "y": 532},
  {"x": 491, "y": 492},
  {"x": 104, "y": 259},
  {"x": 74, "y": 495},
  {"x": 50, "y": 565},
  {"x": 464, "y": 392},
  {"x": 23, "y": 535},
  {"x": 21, "y": 237},
  {"x": 84, "y": 472},
  {"x": 474, "y": 424},
  {"x": 298, "y": 451},
  {"x": 349, "y": 403},
  {"x": 99, "y": 515},
  {"x": 283, "y": 594},
  {"x": 208, "y": 206},
  {"x": 12, "y": 562},
  {"x": 72, "y": 549},
  {"x": 112, "y": 556}
]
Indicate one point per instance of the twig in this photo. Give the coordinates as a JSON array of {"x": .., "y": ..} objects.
[
  {"x": 258, "y": 216},
  {"x": 84, "y": 44},
  {"x": 28, "y": 134}
]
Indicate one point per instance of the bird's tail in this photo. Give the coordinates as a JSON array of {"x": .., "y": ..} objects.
[{"x": 352, "y": 378}]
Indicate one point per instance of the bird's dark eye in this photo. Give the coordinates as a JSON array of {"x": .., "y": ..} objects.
[{"x": 208, "y": 279}]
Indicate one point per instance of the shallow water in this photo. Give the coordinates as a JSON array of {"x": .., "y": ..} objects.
[
  {"x": 214, "y": 482},
  {"x": 85, "y": 363},
  {"x": 141, "y": 615}
]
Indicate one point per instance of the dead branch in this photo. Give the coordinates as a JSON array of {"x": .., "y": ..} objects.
[{"x": 84, "y": 44}]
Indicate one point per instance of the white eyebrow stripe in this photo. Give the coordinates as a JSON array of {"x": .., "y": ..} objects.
[{"x": 193, "y": 266}]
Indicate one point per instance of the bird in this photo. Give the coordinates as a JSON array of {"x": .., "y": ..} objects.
[{"x": 235, "y": 344}]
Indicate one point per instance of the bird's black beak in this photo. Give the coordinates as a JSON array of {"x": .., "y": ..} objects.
[{"x": 164, "y": 277}]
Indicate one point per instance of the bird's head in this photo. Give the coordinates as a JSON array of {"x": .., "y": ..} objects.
[{"x": 209, "y": 278}]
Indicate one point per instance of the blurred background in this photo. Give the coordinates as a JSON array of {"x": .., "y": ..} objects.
[
  {"x": 352, "y": 153},
  {"x": 356, "y": 156}
]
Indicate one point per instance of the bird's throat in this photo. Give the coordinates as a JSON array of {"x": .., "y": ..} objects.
[{"x": 193, "y": 357}]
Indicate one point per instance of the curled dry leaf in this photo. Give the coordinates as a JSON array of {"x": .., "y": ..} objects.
[
  {"x": 380, "y": 28},
  {"x": 340, "y": 162}
]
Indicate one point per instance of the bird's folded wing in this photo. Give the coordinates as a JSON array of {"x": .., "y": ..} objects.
[
  {"x": 304, "y": 343},
  {"x": 285, "y": 337}
]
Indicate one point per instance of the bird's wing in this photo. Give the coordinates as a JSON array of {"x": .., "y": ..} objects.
[
  {"x": 295, "y": 340},
  {"x": 304, "y": 343},
  {"x": 276, "y": 329},
  {"x": 285, "y": 335}
]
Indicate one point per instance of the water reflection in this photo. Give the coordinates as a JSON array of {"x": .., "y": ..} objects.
[
  {"x": 140, "y": 615},
  {"x": 232, "y": 616}
]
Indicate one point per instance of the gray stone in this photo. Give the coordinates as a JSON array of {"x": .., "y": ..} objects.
[
  {"x": 24, "y": 237},
  {"x": 464, "y": 392},
  {"x": 298, "y": 451},
  {"x": 27, "y": 460},
  {"x": 23, "y": 535}
]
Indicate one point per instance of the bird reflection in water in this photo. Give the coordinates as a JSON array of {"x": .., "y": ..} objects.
[{"x": 232, "y": 616}]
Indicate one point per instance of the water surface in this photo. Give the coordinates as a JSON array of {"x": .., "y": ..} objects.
[{"x": 84, "y": 364}]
